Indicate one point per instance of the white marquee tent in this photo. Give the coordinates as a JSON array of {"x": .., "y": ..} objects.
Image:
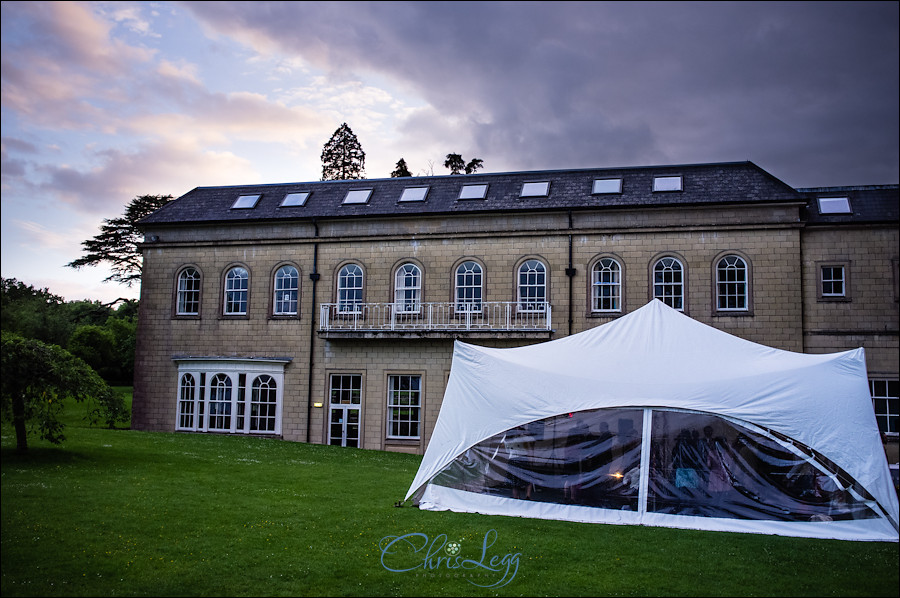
[{"x": 657, "y": 419}]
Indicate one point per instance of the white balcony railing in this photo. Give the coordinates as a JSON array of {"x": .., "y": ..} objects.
[{"x": 486, "y": 316}]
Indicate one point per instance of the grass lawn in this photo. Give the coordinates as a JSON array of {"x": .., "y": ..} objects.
[{"x": 125, "y": 513}]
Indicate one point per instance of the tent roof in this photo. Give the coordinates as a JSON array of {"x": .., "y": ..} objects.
[{"x": 658, "y": 357}]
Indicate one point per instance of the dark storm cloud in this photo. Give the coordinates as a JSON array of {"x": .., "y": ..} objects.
[{"x": 807, "y": 90}]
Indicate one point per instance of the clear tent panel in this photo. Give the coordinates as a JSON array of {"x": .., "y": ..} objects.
[{"x": 696, "y": 464}]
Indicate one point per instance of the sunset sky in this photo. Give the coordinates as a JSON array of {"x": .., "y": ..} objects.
[{"x": 106, "y": 101}]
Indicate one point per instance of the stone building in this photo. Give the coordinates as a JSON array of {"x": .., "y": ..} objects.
[{"x": 326, "y": 312}]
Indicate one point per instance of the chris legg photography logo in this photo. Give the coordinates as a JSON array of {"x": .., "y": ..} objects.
[{"x": 478, "y": 563}]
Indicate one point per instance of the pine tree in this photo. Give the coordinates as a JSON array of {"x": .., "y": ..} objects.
[
  {"x": 401, "y": 169},
  {"x": 343, "y": 156}
]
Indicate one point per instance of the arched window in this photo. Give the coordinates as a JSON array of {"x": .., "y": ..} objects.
[
  {"x": 606, "y": 285},
  {"x": 263, "y": 404},
  {"x": 186, "y": 405},
  {"x": 668, "y": 282},
  {"x": 350, "y": 289},
  {"x": 407, "y": 289},
  {"x": 287, "y": 285},
  {"x": 236, "y": 291},
  {"x": 468, "y": 287},
  {"x": 188, "y": 295},
  {"x": 220, "y": 402},
  {"x": 532, "y": 286},
  {"x": 731, "y": 284}
]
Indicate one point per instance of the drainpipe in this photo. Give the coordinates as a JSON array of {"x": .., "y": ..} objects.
[
  {"x": 314, "y": 277},
  {"x": 570, "y": 272}
]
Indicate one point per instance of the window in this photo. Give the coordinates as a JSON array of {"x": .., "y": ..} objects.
[
  {"x": 834, "y": 205},
  {"x": 667, "y": 183},
  {"x": 350, "y": 289},
  {"x": 833, "y": 281},
  {"x": 731, "y": 284},
  {"x": 414, "y": 194},
  {"x": 606, "y": 186},
  {"x": 541, "y": 189},
  {"x": 358, "y": 196},
  {"x": 606, "y": 286},
  {"x": 234, "y": 396},
  {"x": 292, "y": 200},
  {"x": 236, "y": 291},
  {"x": 407, "y": 289},
  {"x": 473, "y": 192},
  {"x": 287, "y": 285},
  {"x": 468, "y": 287},
  {"x": 886, "y": 400},
  {"x": 188, "y": 296},
  {"x": 668, "y": 282},
  {"x": 404, "y": 404},
  {"x": 245, "y": 202},
  {"x": 532, "y": 286},
  {"x": 263, "y": 404}
]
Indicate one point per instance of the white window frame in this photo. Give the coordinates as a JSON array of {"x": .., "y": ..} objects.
[
  {"x": 736, "y": 289},
  {"x": 606, "y": 274},
  {"x": 834, "y": 205},
  {"x": 221, "y": 379},
  {"x": 408, "y": 289},
  {"x": 468, "y": 295},
  {"x": 668, "y": 290},
  {"x": 531, "y": 286},
  {"x": 886, "y": 403},
  {"x": 350, "y": 288},
  {"x": 188, "y": 295},
  {"x": 286, "y": 291},
  {"x": 237, "y": 291},
  {"x": 395, "y": 405},
  {"x": 826, "y": 280}
]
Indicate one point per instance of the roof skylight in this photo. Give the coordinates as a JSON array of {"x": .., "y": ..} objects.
[
  {"x": 295, "y": 199},
  {"x": 245, "y": 202},
  {"x": 834, "y": 205},
  {"x": 541, "y": 189},
  {"x": 473, "y": 192},
  {"x": 414, "y": 194},
  {"x": 358, "y": 196},
  {"x": 607, "y": 186},
  {"x": 667, "y": 183}
]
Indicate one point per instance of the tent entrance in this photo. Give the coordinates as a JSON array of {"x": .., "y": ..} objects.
[{"x": 660, "y": 462}]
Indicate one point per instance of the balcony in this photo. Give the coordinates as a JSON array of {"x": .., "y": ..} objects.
[{"x": 487, "y": 319}]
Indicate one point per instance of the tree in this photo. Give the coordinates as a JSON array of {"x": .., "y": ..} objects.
[
  {"x": 343, "y": 156},
  {"x": 457, "y": 165},
  {"x": 37, "y": 377},
  {"x": 34, "y": 313},
  {"x": 473, "y": 165},
  {"x": 117, "y": 243},
  {"x": 401, "y": 170}
]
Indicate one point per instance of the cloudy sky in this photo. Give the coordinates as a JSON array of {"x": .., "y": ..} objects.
[{"x": 106, "y": 101}]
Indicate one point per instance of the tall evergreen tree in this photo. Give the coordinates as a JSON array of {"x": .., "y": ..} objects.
[
  {"x": 401, "y": 169},
  {"x": 343, "y": 156},
  {"x": 455, "y": 163},
  {"x": 117, "y": 243}
]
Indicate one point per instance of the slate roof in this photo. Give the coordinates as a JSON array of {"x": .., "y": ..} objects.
[
  {"x": 869, "y": 203},
  {"x": 702, "y": 184}
]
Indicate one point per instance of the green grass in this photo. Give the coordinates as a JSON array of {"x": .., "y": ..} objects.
[{"x": 125, "y": 513}]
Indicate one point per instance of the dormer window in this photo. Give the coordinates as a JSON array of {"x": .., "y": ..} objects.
[
  {"x": 292, "y": 200},
  {"x": 834, "y": 205},
  {"x": 473, "y": 192},
  {"x": 667, "y": 183},
  {"x": 541, "y": 189},
  {"x": 245, "y": 202},
  {"x": 414, "y": 194},
  {"x": 358, "y": 196},
  {"x": 602, "y": 186}
]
